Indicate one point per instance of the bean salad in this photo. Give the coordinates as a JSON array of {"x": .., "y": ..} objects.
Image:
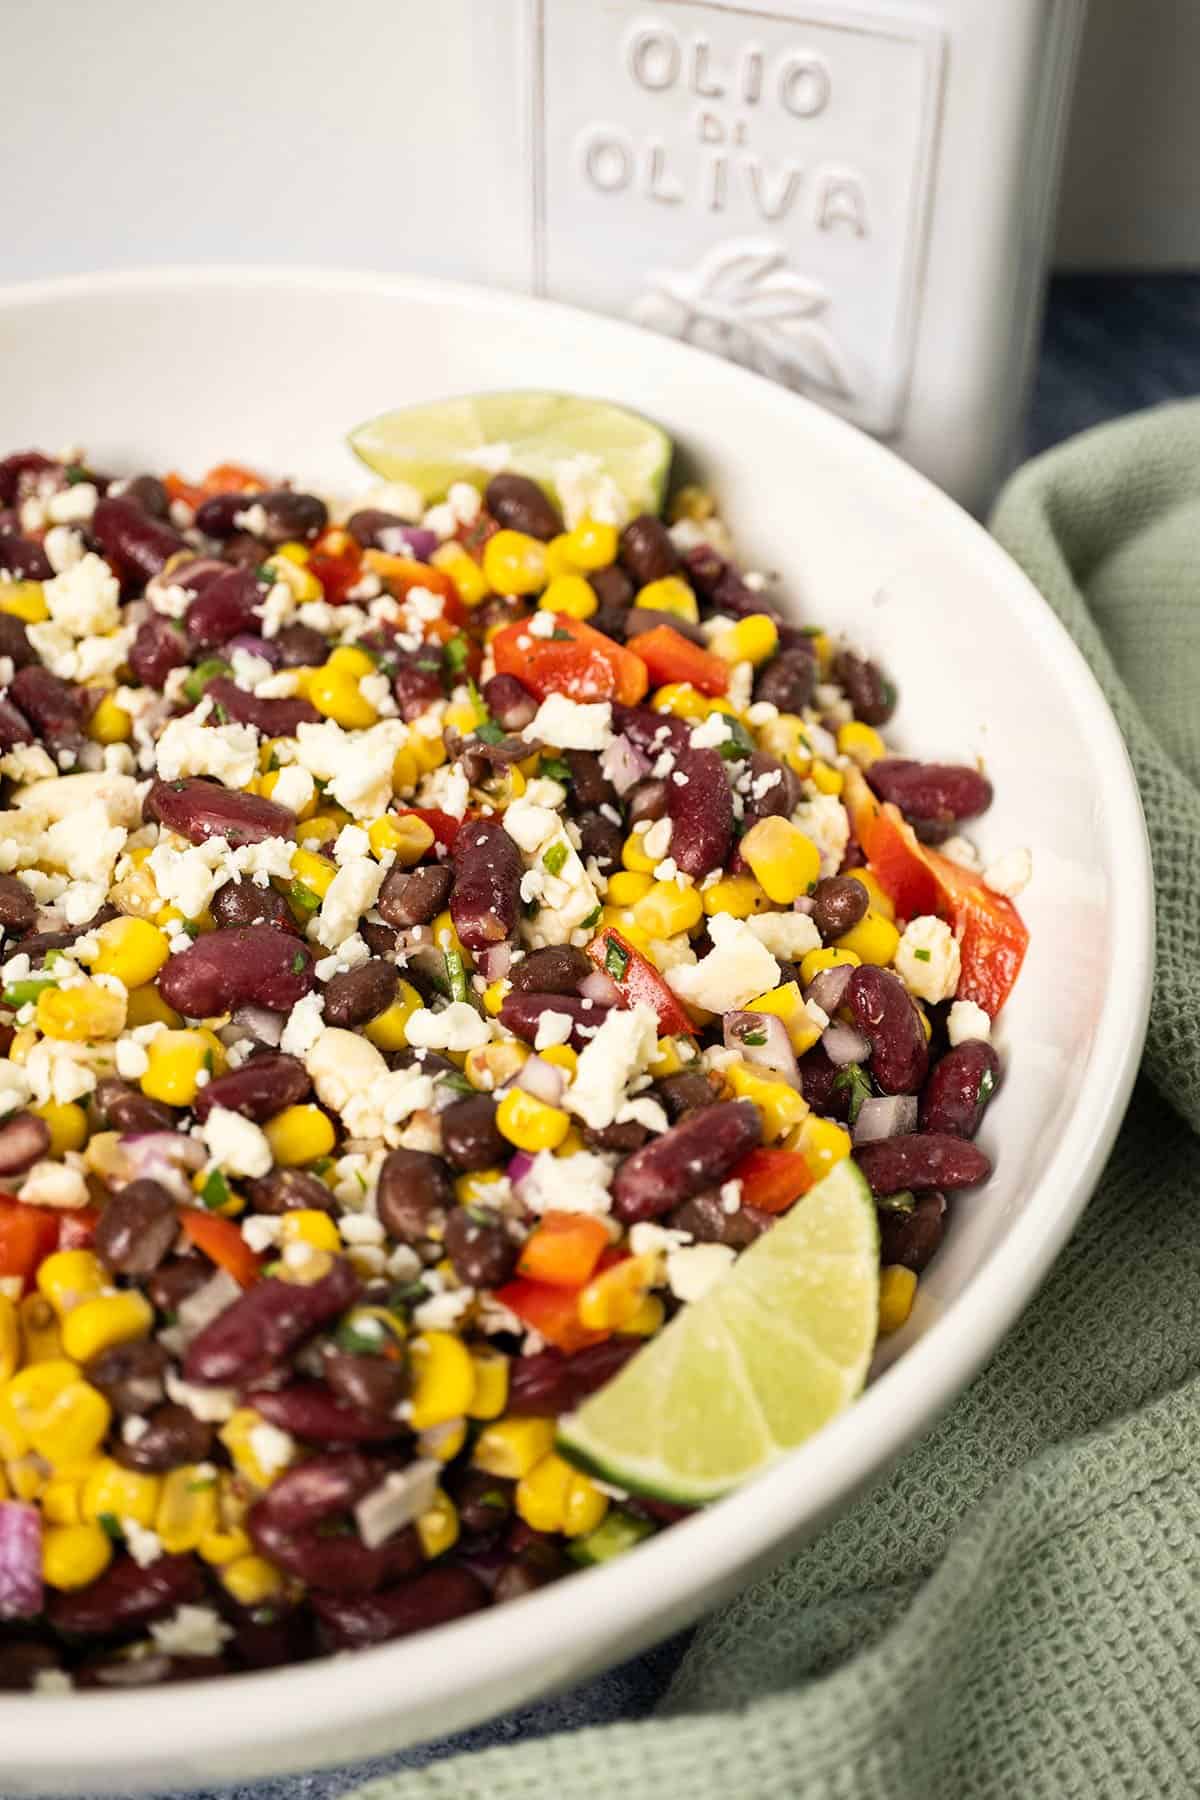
[{"x": 436, "y": 942}]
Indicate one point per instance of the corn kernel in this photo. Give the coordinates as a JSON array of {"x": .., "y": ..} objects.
[
  {"x": 861, "y": 743},
  {"x": 85, "y": 1014},
  {"x": 25, "y": 600},
  {"x": 627, "y": 886},
  {"x": 779, "y": 1104},
  {"x": 98, "y": 1325},
  {"x": 822, "y": 1143},
  {"x": 514, "y": 563},
  {"x": 336, "y": 695},
  {"x": 825, "y": 778},
  {"x": 443, "y": 1379},
  {"x": 147, "y": 1007},
  {"x": 55, "y": 1412},
  {"x": 131, "y": 949},
  {"x": 445, "y": 936},
  {"x": 489, "y": 1066},
  {"x": 10, "y": 1337},
  {"x": 494, "y": 996},
  {"x": 897, "y": 1291},
  {"x": 67, "y": 1125},
  {"x": 437, "y": 1527},
  {"x": 299, "y": 1134},
  {"x": 174, "y": 1060},
  {"x": 122, "y": 1493},
  {"x": 738, "y": 895},
  {"x": 786, "y": 739},
  {"x": 668, "y": 909},
  {"x": 572, "y": 1144},
  {"x": 315, "y": 872},
  {"x": 109, "y": 723},
  {"x": 428, "y": 752},
  {"x": 619, "y": 918},
  {"x": 562, "y": 1057},
  {"x": 541, "y": 1496},
  {"x": 351, "y": 659},
  {"x": 442, "y": 1443},
  {"x": 187, "y": 1507},
  {"x": 491, "y": 1384},
  {"x": 813, "y": 961},
  {"x": 614, "y": 1295},
  {"x": 309, "y": 1225},
  {"x": 474, "y": 1189},
  {"x": 238, "y": 1436},
  {"x": 754, "y": 639},
  {"x": 633, "y": 854},
  {"x": 591, "y": 544},
  {"x": 786, "y": 863},
  {"x": 787, "y": 1003},
  {"x": 28, "y": 1478},
  {"x": 529, "y": 1123},
  {"x": 873, "y": 940},
  {"x": 463, "y": 571},
  {"x": 68, "y": 1277},
  {"x": 511, "y": 1447},
  {"x": 407, "y": 837},
  {"x": 881, "y": 901},
  {"x": 569, "y": 594},
  {"x": 670, "y": 594},
  {"x": 692, "y": 502},
  {"x": 61, "y": 1500},
  {"x": 251, "y": 1580},
  {"x": 316, "y": 831},
  {"x": 585, "y": 1505},
  {"x": 74, "y": 1555},
  {"x": 41, "y": 1340},
  {"x": 667, "y": 1060},
  {"x": 388, "y": 1029},
  {"x": 681, "y": 700},
  {"x": 647, "y": 1320}
]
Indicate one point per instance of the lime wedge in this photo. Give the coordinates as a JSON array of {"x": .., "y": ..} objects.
[
  {"x": 774, "y": 1350},
  {"x": 528, "y": 433}
]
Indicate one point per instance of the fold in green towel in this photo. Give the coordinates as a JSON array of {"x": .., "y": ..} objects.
[{"x": 1016, "y": 1611}]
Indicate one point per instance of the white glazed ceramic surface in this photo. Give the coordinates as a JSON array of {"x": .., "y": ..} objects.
[{"x": 184, "y": 368}]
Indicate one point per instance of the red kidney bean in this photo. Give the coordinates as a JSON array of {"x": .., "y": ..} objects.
[
  {"x": 14, "y": 642},
  {"x": 414, "y": 1195},
  {"x": 705, "y": 1217},
  {"x": 265, "y": 1324},
  {"x": 19, "y": 474},
  {"x": 267, "y": 1637},
  {"x": 126, "y": 1109},
  {"x": 14, "y": 727},
  {"x": 868, "y": 690},
  {"x": 136, "y": 1228},
  {"x": 818, "y": 1077},
  {"x": 176, "y": 1282},
  {"x": 839, "y": 902},
  {"x": 647, "y": 800},
  {"x": 623, "y": 1138},
  {"x": 225, "y": 607},
  {"x": 415, "y": 896},
  {"x": 788, "y": 680},
  {"x": 434, "y": 1598},
  {"x": 159, "y": 645},
  {"x": 519, "y": 504},
  {"x": 695, "y": 1154},
  {"x": 650, "y": 732},
  {"x": 882, "y": 1009},
  {"x": 646, "y": 618},
  {"x": 198, "y": 809},
  {"x": 483, "y": 1254},
  {"x": 245, "y": 903},
  {"x": 647, "y": 551},
  {"x": 311, "y": 1411},
  {"x": 24, "y": 559},
  {"x": 470, "y": 1138},
  {"x": 921, "y": 1160},
  {"x": 135, "y": 544},
  {"x": 300, "y": 647},
  {"x": 552, "y": 1383},
  {"x": 509, "y": 701},
  {"x": 18, "y": 908},
  {"x": 375, "y": 529},
  {"x": 359, "y": 994},
  {"x": 126, "y": 1596},
  {"x": 521, "y": 1014},
  {"x": 912, "y": 1238},
  {"x": 215, "y": 516},
  {"x": 274, "y": 718},
  {"x": 227, "y": 969},
  {"x": 701, "y": 810},
  {"x": 24, "y": 1138},
  {"x": 291, "y": 517},
  {"x": 130, "y": 1376},
  {"x": 719, "y": 582},
  {"x": 285, "y": 1522},
  {"x": 590, "y": 787},
  {"x": 558, "y": 969},
  {"x": 958, "y": 1089},
  {"x": 148, "y": 492},
  {"x": 53, "y": 707},
  {"x": 685, "y": 1092},
  {"x": 260, "y": 1088},
  {"x": 931, "y": 793},
  {"x": 173, "y": 1436},
  {"x": 614, "y": 590},
  {"x": 374, "y": 1385},
  {"x": 317, "y": 1489},
  {"x": 289, "y": 1190},
  {"x": 415, "y": 688},
  {"x": 777, "y": 800},
  {"x": 486, "y": 899}
]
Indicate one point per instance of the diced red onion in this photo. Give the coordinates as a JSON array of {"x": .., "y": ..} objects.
[
  {"x": 495, "y": 962},
  {"x": 164, "y": 1156},
  {"x": 601, "y": 988},
  {"x": 623, "y": 764},
  {"x": 20, "y": 1560},
  {"x": 827, "y": 988},
  {"x": 206, "y": 1304},
  {"x": 843, "y": 1045},
  {"x": 894, "y": 1115},
  {"x": 260, "y": 1023},
  {"x": 805, "y": 904},
  {"x": 267, "y": 648},
  {"x": 421, "y": 542},
  {"x": 774, "y": 1052},
  {"x": 519, "y": 1167},
  {"x": 401, "y": 1497},
  {"x": 542, "y": 1079}
]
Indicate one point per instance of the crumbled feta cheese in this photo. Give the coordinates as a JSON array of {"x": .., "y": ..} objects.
[
  {"x": 63, "y": 547},
  {"x": 553, "y": 1028},
  {"x": 457, "y": 1027},
  {"x": 190, "y": 747},
  {"x": 351, "y": 893},
  {"x": 272, "y": 1448},
  {"x": 789, "y": 936},
  {"x": 54, "y": 1184},
  {"x": 693, "y": 1270},
  {"x": 261, "y": 1231},
  {"x": 648, "y": 1239},
  {"x": 927, "y": 959},
  {"x": 356, "y": 764},
  {"x": 542, "y": 625},
  {"x": 625, "y": 1042},
  {"x": 1009, "y": 874},
  {"x": 712, "y": 733},
  {"x": 143, "y": 1545},
  {"x": 578, "y": 1183},
  {"x": 824, "y": 819},
  {"x": 351, "y": 845},
  {"x": 966, "y": 1021},
  {"x": 211, "y": 1405},
  {"x": 528, "y": 825},
  {"x": 341, "y": 1065},
  {"x": 586, "y": 491},
  {"x": 304, "y": 1026},
  {"x": 571, "y": 724},
  {"x": 657, "y": 840},
  {"x": 294, "y": 788},
  {"x": 52, "y": 1681},
  {"x": 960, "y": 850},
  {"x": 738, "y": 967},
  {"x": 132, "y": 1061},
  {"x": 85, "y": 599},
  {"x": 443, "y": 1312},
  {"x": 237, "y": 1145},
  {"x": 191, "y": 1631}
]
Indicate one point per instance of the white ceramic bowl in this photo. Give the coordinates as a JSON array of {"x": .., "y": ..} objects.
[{"x": 184, "y": 368}]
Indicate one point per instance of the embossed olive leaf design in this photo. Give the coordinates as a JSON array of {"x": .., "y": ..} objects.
[{"x": 744, "y": 301}]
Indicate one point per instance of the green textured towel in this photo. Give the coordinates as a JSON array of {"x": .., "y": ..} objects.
[{"x": 1016, "y": 1611}]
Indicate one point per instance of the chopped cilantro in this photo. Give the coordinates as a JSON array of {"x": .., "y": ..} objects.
[
  {"x": 903, "y": 1202},
  {"x": 55, "y": 956},
  {"x": 738, "y": 743},
  {"x": 555, "y": 859},
  {"x": 321, "y": 1167},
  {"x": 757, "y": 1038},
  {"x": 558, "y": 635},
  {"x": 456, "y": 975},
  {"x": 812, "y": 631},
  {"x": 456, "y": 1081},
  {"x": 208, "y": 1061},
  {"x": 358, "y": 1340},
  {"x": 616, "y": 959},
  {"x": 110, "y": 1525},
  {"x": 74, "y": 475},
  {"x": 490, "y": 733},
  {"x": 855, "y": 1081},
  {"x": 456, "y": 653},
  {"x": 203, "y": 1486},
  {"x": 530, "y": 909},
  {"x": 215, "y": 1192},
  {"x": 477, "y": 701},
  {"x": 298, "y": 963},
  {"x": 987, "y": 1087},
  {"x": 303, "y": 897},
  {"x": 593, "y": 918},
  {"x": 921, "y": 955},
  {"x": 202, "y": 674},
  {"x": 192, "y": 927},
  {"x": 265, "y": 572},
  {"x": 402, "y": 1299},
  {"x": 25, "y": 993},
  {"x": 554, "y": 769}
]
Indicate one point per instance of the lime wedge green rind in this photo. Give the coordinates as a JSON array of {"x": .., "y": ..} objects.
[
  {"x": 774, "y": 1351},
  {"x": 474, "y": 436}
]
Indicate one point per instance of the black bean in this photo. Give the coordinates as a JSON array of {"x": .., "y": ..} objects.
[
  {"x": 375, "y": 529},
  {"x": 624, "y": 1138},
  {"x": 557, "y": 969},
  {"x": 704, "y": 1215},
  {"x": 470, "y": 1137},
  {"x": 483, "y": 1254},
  {"x": 683, "y": 1093},
  {"x": 18, "y": 908},
  {"x": 839, "y": 902},
  {"x": 300, "y": 647},
  {"x": 173, "y": 1436},
  {"x": 484, "y": 1502},
  {"x": 519, "y": 504},
  {"x": 24, "y": 1139},
  {"x": 648, "y": 800},
  {"x": 291, "y": 517},
  {"x": 289, "y": 1190},
  {"x": 416, "y": 689},
  {"x": 647, "y": 551},
  {"x": 14, "y": 641},
  {"x": 613, "y": 589},
  {"x": 648, "y": 618},
  {"x": 245, "y": 903},
  {"x": 590, "y": 787},
  {"x": 371, "y": 1384},
  {"x": 868, "y": 690},
  {"x": 774, "y": 789},
  {"x": 600, "y": 838},
  {"x": 137, "y": 1228},
  {"x": 150, "y": 494},
  {"x": 911, "y": 1238},
  {"x": 215, "y": 516},
  {"x": 359, "y": 994},
  {"x": 176, "y": 1281},
  {"x": 509, "y": 701},
  {"x": 415, "y": 1192},
  {"x": 788, "y": 680},
  {"x": 130, "y": 1376},
  {"x": 124, "y": 1108},
  {"x": 415, "y": 896}
]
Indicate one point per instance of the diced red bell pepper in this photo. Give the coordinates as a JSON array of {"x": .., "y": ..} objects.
[
  {"x": 564, "y": 1249},
  {"x": 443, "y": 825},
  {"x": 336, "y": 561},
  {"x": 233, "y": 478},
  {"x": 401, "y": 574},
  {"x": 670, "y": 656},
  {"x": 27, "y": 1235},
  {"x": 188, "y": 491},
  {"x": 550, "y": 1311},
  {"x": 220, "y": 1240},
  {"x": 772, "y": 1179},
  {"x": 637, "y": 981},
  {"x": 577, "y": 661},
  {"x": 77, "y": 1229}
]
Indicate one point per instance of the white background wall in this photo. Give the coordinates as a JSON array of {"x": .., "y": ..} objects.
[{"x": 1131, "y": 187}]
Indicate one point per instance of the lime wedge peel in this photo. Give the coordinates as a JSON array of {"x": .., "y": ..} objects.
[
  {"x": 475, "y": 436},
  {"x": 774, "y": 1351}
]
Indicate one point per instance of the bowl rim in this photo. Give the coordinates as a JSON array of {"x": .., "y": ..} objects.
[{"x": 740, "y": 1533}]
